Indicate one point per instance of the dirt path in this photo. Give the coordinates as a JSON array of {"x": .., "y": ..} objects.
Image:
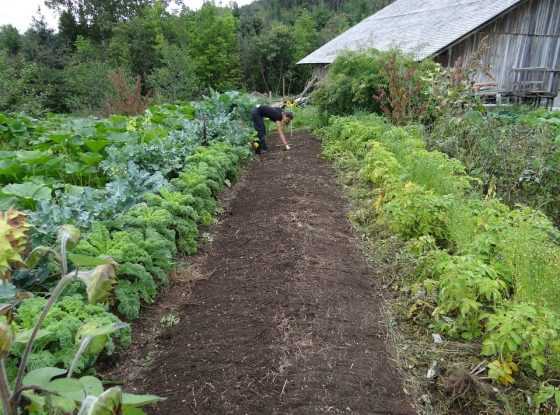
[{"x": 287, "y": 320}]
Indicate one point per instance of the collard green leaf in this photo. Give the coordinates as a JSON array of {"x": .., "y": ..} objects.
[
  {"x": 67, "y": 388},
  {"x": 42, "y": 377}
]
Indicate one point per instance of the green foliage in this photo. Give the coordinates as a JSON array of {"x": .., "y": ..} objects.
[
  {"x": 515, "y": 156},
  {"x": 380, "y": 82},
  {"x": 213, "y": 46},
  {"x": 86, "y": 78},
  {"x": 351, "y": 82},
  {"x": 412, "y": 211},
  {"x": 57, "y": 343},
  {"x": 487, "y": 271},
  {"x": 175, "y": 79},
  {"x": 467, "y": 287},
  {"x": 523, "y": 333}
]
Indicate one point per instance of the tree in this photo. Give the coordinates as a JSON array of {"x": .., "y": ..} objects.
[
  {"x": 175, "y": 79},
  {"x": 214, "y": 46},
  {"x": 274, "y": 53},
  {"x": 10, "y": 40},
  {"x": 305, "y": 35},
  {"x": 96, "y": 18},
  {"x": 86, "y": 78}
]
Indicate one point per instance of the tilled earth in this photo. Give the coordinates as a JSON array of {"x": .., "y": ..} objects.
[{"x": 284, "y": 317}]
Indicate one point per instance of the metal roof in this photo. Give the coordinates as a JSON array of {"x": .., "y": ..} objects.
[{"x": 419, "y": 27}]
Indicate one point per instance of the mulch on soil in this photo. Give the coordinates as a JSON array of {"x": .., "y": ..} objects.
[{"x": 284, "y": 318}]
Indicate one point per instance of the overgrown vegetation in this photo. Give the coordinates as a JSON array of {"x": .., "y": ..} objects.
[
  {"x": 515, "y": 153},
  {"x": 466, "y": 191},
  {"x": 485, "y": 272}
]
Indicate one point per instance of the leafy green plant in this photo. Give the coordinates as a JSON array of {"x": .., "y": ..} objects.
[
  {"x": 412, "y": 211},
  {"x": 522, "y": 333},
  {"x": 487, "y": 271},
  {"x": 40, "y": 387}
]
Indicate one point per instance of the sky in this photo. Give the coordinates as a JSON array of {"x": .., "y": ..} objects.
[{"x": 19, "y": 13}]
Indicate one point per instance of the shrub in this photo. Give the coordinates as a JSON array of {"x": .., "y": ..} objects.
[
  {"x": 515, "y": 157},
  {"x": 379, "y": 82}
]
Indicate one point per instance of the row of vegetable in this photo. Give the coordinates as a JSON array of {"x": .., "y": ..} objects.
[
  {"x": 108, "y": 206},
  {"x": 485, "y": 272}
]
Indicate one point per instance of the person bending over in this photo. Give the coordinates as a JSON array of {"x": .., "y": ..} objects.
[{"x": 278, "y": 115}]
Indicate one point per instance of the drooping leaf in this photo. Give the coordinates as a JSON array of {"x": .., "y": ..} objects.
[
  {"x": 69, "y": 234},
  {"x": 92, "y": 385},
  {"x": 22, "y": 337},
  {"x": 96, "y": 336},
  {"x": 37, "y": 254},
  {"x": 99, "y": 282},
  {"x": 140, "y": 400},
  {"x": 108, "y": 403}
]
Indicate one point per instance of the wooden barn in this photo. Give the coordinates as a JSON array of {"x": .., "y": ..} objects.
[{"x": 518, "y": 41}]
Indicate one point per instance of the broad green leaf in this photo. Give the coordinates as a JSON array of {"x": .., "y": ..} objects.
[
  {"x": 8, "y": 292},
  {"x": 91, "y": 159},
  {"x": 92, "y": 385},
  {"x": 42, "y": 377},
  {"x": 28, "y": 190},
  {"x": 140, "y": 400},
  {"x": 7, "y": 202},
  {"x": 33, "y": 157},
  {"x": 67, "y": 388},
  {"x": 96, "y": 145},
  {"x": 73, "y": 167},
  {"x": 60, "y": 138},
  {"x": 93, "y": 330}
]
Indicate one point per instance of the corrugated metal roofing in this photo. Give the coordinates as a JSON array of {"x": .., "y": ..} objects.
[{"x": 418, "y": 27}]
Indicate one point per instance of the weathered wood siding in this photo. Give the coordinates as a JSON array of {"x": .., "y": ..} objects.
[{"x": 527, "y": 36}]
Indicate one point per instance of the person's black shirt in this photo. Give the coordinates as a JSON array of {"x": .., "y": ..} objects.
[{"x": 272, "y": 113}]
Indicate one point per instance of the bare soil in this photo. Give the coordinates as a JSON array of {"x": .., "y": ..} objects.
[{"x": 284, "y": 317}]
